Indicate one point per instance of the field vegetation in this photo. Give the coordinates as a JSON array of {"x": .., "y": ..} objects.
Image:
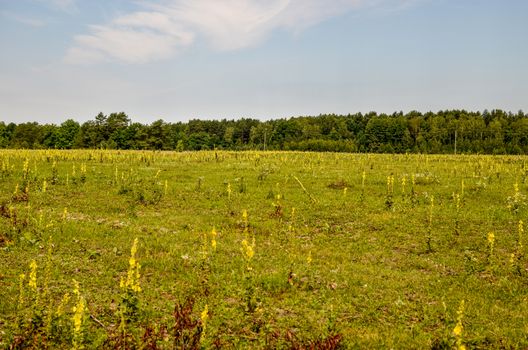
[{"x": 270, "y": 250}]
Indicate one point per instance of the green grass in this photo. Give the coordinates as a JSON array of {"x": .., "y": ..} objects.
[{"x": 371, "y": 280}]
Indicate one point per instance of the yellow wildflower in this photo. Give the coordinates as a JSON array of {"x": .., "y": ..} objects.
[
  {"x": 247, "y": 249},
  {"x": 458, "y": 329},
  {"x": 213, "y": 238},
  {"x": 245, "y": 216},
  {"x": 363, "y": 177},
  {"x": 32, "y": 282},
  {"x": 491, "y": 238},
  {"x": 133, "y": 274},
  {"x": 63, "y": 302},
  {"x": 204, "y": 316},
  {"x": 78, "y": 315},
  {"x": 491, "y": 242},
  {"x": 21, "y": 289}
]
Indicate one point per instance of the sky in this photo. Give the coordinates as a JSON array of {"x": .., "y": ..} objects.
[{"x": 178, "y": 60}]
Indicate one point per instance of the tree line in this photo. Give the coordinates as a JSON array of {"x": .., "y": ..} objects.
[{"x": 450, "y": 131}]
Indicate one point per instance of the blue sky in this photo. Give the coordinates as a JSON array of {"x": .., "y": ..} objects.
[{"x": 183, "y": 59}]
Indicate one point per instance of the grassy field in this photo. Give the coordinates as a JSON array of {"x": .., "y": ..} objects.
[{"x": 262, "y": 250}]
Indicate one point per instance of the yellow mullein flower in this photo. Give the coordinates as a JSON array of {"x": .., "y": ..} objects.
[
  {"x": 64, "y": 301},
  {"x": 459, "y": 328},
  {"x": 213, "y": 239},
  {"x": 245, "y": 216},
  {"x": 22, "y": 277},
  {"x": 32, "y": 282},
  {"x": 204, "y": 316},
  {"x": 457, "y": 331},
  {"x": 26, "y": 168},
  {"x": 137, "y": 287},
  {"x": 133, "y": 274},
  {"x": 390, "y": 184},
  {"x": 247, "y": 249},
  {"x": 76, "y": 289},
  {"x": 78, "y": 314},
  {"x": 491, "y": 242},
  {"x": 363, "y": 178}
]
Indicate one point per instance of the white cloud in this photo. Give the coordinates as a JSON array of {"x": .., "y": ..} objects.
[
  {"x": 126, "y": 44},
  {"x": 230, "y": 24},
  {"x": 161, "y": 30}
]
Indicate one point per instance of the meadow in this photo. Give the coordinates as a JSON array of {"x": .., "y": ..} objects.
[{"x": 262, "y": 250}]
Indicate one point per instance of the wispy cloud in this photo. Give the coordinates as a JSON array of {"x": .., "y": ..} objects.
[{"x": 162, "y": 29}]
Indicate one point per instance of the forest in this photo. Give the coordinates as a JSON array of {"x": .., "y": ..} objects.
[{"x": 450, "y": 131}]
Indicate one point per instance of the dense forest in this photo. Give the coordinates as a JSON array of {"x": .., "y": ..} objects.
[{"x": 453, "y": 131}]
